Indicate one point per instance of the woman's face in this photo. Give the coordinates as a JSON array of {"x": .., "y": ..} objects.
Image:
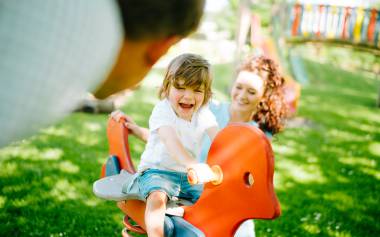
[{"x": 247, "y": 91}]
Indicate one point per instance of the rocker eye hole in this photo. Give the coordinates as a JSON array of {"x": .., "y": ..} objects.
[{"x": 248, "y": 179}]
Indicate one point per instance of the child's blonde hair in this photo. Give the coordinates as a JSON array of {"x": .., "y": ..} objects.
[{"x": 193, "y": 69}]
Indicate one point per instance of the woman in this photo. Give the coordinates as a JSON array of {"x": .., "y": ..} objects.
[{"x": 256, "y": 98}]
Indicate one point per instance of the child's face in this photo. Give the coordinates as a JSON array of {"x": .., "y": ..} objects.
[
  {"x": 247, "y": 91},
  {"x": 185, "y": 100}
]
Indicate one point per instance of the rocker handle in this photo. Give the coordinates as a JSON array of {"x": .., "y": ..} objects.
[
  {"x": 117, "y": 135},
  {"x": 203, "y": 173}
]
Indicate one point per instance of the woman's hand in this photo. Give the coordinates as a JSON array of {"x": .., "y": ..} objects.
[{"x": 134, "y": 129}]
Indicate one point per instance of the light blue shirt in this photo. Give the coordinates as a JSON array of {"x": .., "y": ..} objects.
[{"x": 222, "y": 115}]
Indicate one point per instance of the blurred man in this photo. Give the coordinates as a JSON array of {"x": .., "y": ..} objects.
[{"x": 52, "y": 52}]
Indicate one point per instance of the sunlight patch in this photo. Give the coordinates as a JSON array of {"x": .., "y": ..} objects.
[
  {"x": 51, "y": 154},
  {"x": 59, "y": 132},
  {"x": 19, "y": 152},
  {"x": 20, "y": 202},
  {"x": 8, "y": 169},
  {"x": 10, "y": 190},
  {"x": 68, "y": 167},
  {"x": 48, "y": 181},
  {"x": 2, "y": 201},
  {"x": 343, "y": 179},
  {"x": 63, "y": 190},
  {"x": 93, "y": 127},
  {"x": 301, "y": 173},
  {"x": 358, "y": 161},
  {"x": 92, "y": 202},
  {"x": 312, "y": 159},
  {"x": 345, "y": 136},
  {"x": 374, "y": 148},
  {"x": 335, "y": 232},
  {"x": 341, "y": 200},
  {"x": 60, "y": 234},
  {"x": 359, "y": 125},
  {"x": 89, "y": 139},
  {"x": 284, "y": 150},
  {"x": 32, "y": 153},
  {"x": 372, "y": 172},
  {"x": 365, "y": 114},
  {"x": 281, "y": 183},
  {"x": 311, "y": 228}
]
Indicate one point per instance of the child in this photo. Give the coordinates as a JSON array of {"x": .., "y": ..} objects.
[{"x": 177, "y": 126}]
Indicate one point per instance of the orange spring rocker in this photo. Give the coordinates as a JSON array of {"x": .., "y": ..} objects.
[{"x": 242, "y": 189}]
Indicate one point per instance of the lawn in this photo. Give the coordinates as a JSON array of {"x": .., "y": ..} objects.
[{"x": 327, "y": 166}]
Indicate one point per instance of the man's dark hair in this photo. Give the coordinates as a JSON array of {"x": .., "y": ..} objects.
[{"x": 150, "y": 19}]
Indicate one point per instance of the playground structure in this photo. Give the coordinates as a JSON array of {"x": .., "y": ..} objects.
[
  {"x": 298, "y": 24},
  {"x": 355, "y": 26},
  {"x": 261, "y": 44},
  {"x": 245, "y": 192}
]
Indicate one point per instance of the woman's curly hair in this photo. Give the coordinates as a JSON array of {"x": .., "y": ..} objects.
[{"x": 272, "y": 109}]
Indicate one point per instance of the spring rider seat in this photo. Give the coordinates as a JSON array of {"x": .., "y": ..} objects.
[{"x": 245, "y": 159}]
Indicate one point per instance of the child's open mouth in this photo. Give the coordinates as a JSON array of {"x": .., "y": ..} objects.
[{"x": 186, "y": 106}]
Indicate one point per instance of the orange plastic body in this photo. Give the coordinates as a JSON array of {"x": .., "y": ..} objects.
[
  {"x": 118, "y": 145},
  {"x": 240, "y": 150}
]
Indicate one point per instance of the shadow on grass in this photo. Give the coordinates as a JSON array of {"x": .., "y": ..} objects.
[{"x": 46, "y": 182}]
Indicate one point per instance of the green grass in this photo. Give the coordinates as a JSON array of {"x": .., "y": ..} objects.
[{"x": 327, "y": 171}]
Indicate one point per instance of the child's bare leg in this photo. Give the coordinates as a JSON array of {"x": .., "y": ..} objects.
[{"x": 155, "y": 213}]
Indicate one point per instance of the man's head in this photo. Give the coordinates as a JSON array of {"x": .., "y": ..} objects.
[
  {"x": 151, "y": 27},
  {"x": 71, "y": 49},
  {"x": 152, "y": 19}
]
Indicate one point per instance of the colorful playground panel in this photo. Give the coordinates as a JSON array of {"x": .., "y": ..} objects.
[{"x": 352, "y": 24}]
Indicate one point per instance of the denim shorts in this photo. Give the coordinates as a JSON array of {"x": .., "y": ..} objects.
[{"x": 174, "y": 184}]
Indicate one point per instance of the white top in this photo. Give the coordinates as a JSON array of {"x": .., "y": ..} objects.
[{"x": 189, "y": 133}]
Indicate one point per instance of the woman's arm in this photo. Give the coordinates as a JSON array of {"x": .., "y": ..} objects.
[{"x": 175, "y": 148}]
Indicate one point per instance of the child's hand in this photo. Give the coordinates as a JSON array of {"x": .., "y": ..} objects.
[
  {"x": 133, "y": 128},
  {"x": 117, "y": 115}
]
